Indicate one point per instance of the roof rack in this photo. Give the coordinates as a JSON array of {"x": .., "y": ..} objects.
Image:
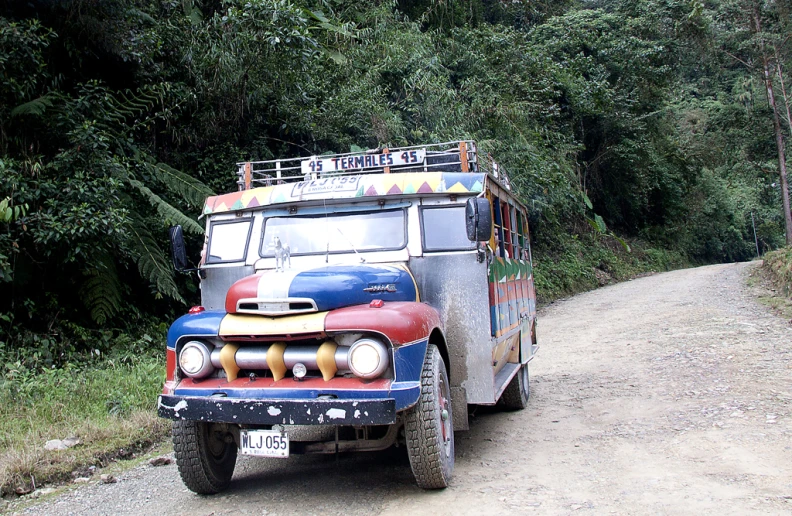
[{"x": 456, "y": 156}]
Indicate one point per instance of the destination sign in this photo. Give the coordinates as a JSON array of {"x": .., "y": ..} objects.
[{"x": 362, "y": 161}]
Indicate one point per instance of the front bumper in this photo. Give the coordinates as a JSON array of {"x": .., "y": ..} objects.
[{"x": 277, "y": 412}]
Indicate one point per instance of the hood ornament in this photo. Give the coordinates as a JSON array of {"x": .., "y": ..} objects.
[{"x": 282, "y": 255}]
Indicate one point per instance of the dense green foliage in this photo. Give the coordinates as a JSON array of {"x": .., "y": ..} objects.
[{"x": 646, "y": 118}]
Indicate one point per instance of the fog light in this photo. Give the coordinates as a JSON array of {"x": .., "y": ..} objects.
[
  {"x": 195, "y": 360},
  {"x": 368, "y": 358},
  {"x": 299, "y": 370}
]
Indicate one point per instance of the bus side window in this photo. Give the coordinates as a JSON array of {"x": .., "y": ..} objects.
[{"x": 498, "y": 235}]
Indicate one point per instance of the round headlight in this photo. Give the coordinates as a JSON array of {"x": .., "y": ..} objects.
[
  {"x": 195, "y": 360},
  {"x": 368, "y": 358}
]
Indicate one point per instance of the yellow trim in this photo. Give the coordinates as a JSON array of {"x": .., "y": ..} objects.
[
  {"x": 325, "y": 359},
  {"x": 457, "y": 188},
  {"x": 246, "y": 325},
  {"x": 409, "y": 272},
  {"x": 228, "y": 362},
  {"x": 275, "y": 360}
]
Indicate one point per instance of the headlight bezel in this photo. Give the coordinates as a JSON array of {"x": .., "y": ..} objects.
[
  {"x": 368, "y": 346},
  {"x": 203, "y": 352}
]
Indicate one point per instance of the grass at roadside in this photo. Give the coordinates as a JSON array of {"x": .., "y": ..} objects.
[
  {"x": 108, "y": 404},
  {"x": 778, "y": 264},
  {"x": 774, "y": 282},
  {"x": 580, "y": 263}
]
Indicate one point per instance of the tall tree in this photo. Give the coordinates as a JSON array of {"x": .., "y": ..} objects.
[{"x": 767, "y": 76}]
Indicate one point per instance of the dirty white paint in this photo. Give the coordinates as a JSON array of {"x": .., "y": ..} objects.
[
  {"x": 273, "y": 411},
  {"x": 180, "y": 406},
  {"x": 336, "y": 413},
  {"x": 357, "y": 414},
  {"x": 309, "y": 412},
  {"x": 321, "y": 418}
]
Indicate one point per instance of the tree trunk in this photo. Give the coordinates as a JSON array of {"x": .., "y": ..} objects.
[
  {"x": 782, "y": 171},
  {"x": 780, "y": 73}
]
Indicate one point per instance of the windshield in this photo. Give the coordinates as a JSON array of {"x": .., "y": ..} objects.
[
  {"x": 228, "y": 241},
  {"x": 335, "y": 233}
]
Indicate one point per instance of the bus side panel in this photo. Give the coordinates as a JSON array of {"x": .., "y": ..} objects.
[
  {"x": 457, "y": 286},
  {"x": 218, "y": 280},
  {"x": 512, "y": 282}
]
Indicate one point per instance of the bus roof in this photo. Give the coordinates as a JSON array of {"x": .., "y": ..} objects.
[{"x": 440, "y": 168}]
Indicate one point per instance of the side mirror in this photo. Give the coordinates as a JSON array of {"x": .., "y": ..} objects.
[
  {"x": 178, "y": 253},
  {"x": 478, "y": 219}
]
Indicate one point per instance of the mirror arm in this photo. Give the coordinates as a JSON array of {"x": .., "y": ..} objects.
[
  {"x": 201, "y": 272},
  {"x": 480, "y": 252}
]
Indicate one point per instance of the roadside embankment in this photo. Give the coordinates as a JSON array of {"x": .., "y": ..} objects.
[
  {"x": 778, "y": 266},
  {"x": 568, "y": 265}
]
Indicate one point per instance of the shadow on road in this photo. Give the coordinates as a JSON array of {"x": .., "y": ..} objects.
[{"x": 321, "y": 475}]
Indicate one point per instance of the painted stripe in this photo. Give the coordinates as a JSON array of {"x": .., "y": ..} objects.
[
  {"x": 244, "y": 325},
  {"x": 275, "y": 285}
]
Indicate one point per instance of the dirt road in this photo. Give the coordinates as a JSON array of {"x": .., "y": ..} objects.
[{"x": 670, "y": 394}]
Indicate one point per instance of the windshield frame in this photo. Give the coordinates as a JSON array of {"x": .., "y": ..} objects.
[
  {"x": 433, "y": 249},
  {"x": 319, "y": 216}
]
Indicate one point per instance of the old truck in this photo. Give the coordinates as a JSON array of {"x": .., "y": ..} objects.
[{"x": 351, "y": 302}]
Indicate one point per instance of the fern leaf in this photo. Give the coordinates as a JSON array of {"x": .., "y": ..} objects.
[
  {"x": 152, "y": 262},
  {"x": 170, "y": 214},
  {"x": 34, "y": 107},
  {"x": 193, "y": 191},
  {"x": 101, "y": 291}
]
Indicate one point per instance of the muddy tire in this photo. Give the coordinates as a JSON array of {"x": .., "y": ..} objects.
[
  {"x": 429, "y": 426},
  {"x": 205, "y": 455},
  {"x": 517, "y": 393}
]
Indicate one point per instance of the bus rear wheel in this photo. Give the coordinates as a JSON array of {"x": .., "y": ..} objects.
[{"x": 517, "y": 393}]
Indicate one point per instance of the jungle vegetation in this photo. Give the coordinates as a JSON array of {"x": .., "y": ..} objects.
[{"x": 642, "y": 121}]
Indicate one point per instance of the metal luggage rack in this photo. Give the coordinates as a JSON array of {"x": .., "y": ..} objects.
[{"x": 456, "y": 156}]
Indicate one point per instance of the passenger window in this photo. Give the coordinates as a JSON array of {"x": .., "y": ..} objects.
[
  {"x": 228, "y": 241},
  {"x": 510, "y": 237},
  {"x": 444, "y": 229}
]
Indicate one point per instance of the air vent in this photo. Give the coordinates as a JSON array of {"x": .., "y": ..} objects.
[{"x": 275, "y": 307}]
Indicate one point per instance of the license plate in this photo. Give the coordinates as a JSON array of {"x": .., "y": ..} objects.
[{"x": 264, "y": 443}]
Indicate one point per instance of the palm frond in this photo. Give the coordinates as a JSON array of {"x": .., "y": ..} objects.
[
  {"x": 152, "y": 262},
  {"x": 170, "y": 214},
  {"x": 101, "y": 291},
  {"x": 192, "y": 190},
  {"x": 34, "y": 107}
]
